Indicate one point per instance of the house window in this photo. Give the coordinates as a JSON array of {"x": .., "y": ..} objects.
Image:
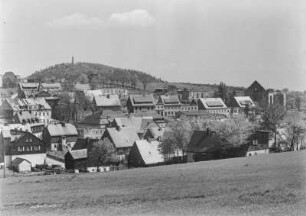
[{"x": 19, "y": 149}]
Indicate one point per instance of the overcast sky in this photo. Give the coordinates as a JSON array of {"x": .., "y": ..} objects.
[{"x": 202, "y": 41}]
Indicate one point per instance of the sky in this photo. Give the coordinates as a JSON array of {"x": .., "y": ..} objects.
[{"x": 200, "y": 41}]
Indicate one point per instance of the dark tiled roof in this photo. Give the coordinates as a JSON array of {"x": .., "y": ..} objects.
[
  {"x": 202, "y": 141},
  {"x": 84, "y": 144},
  {"x": 19, "y": 160},
  {"x": 255, "y": 85}
]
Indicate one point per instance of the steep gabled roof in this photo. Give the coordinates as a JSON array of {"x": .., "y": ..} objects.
[
  {"x": 125, "y": 137},
  {"x": 149, "y": 151},
  {"x": 255, "y": 85},
  {"x": 19, "y": 160},
  {"x": 83, "y": 144},
  {"x": 19, "y": 139}
]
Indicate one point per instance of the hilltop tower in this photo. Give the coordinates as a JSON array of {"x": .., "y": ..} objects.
[{"x": 72, "y": 61}]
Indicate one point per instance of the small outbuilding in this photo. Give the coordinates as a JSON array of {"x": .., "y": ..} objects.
[
  {"x": 259, "y": 143},
  {"x": 145, "y": 153},
  {"x": 21, "y": 165},
  {"x": 76, "y": 160}
]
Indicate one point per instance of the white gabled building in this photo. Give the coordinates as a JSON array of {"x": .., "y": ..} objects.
[
  {"x": 213, "y": 105},
  {"x": 240, "y": 103}
]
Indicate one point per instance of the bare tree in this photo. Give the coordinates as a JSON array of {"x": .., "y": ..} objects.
[
  {"x": 176, "y": 138},
  {"x": 102, "y": 152},
  {"x": 298, "y": 101},
  {"x": 235, "y": 130},
  {"x": 272, "y": 116},
  {"x": 296, "y": 129}
]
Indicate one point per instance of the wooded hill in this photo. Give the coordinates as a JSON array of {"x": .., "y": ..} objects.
[{"x": 93, "y": 73}]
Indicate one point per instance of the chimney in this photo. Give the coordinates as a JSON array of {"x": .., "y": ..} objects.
[
  {"x": 108, "y": 96},
  {"x": 118, "y": 128},
  {"x": 63, "y": 124},
  {"x": 208, "y": 132},
  {"x": 87, "y": 141}
]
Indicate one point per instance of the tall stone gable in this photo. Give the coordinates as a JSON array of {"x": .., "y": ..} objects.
[{"x": 257, "y": 93}]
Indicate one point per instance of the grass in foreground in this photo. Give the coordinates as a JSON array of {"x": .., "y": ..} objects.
[{"x": 262, "y": 185}]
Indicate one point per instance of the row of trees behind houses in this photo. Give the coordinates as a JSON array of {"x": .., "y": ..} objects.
[{"x": 231, "y": 133}]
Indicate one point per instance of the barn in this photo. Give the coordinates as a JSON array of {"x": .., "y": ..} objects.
[{"x": 21, "y": 165}]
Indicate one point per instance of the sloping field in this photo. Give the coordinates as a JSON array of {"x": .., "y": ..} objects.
[{"x": 262, "y": 185}]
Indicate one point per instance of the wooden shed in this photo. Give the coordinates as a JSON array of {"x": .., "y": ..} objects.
[
  {"x": 21, "y": 165},
  {"x": 76, "y": 159}
]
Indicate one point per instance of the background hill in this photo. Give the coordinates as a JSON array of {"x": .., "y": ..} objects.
[{"x": 94, "y": 74}]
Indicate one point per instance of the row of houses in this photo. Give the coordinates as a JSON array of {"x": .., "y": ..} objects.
[
  {"x": 135, "y": 134},
  {"x": 136, "y": 140},
  {"x": 171, "y": 105}
]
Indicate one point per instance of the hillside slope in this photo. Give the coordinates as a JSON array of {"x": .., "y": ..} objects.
[
  {"x": 263, "y": 185},
  {"x": 91, "y": 72}
]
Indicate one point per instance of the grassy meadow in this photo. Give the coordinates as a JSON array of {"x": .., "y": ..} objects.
[{"x": 262, "y": 185}]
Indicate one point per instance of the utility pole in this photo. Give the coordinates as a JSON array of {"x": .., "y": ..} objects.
[{"x": 3, "y": 158}]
